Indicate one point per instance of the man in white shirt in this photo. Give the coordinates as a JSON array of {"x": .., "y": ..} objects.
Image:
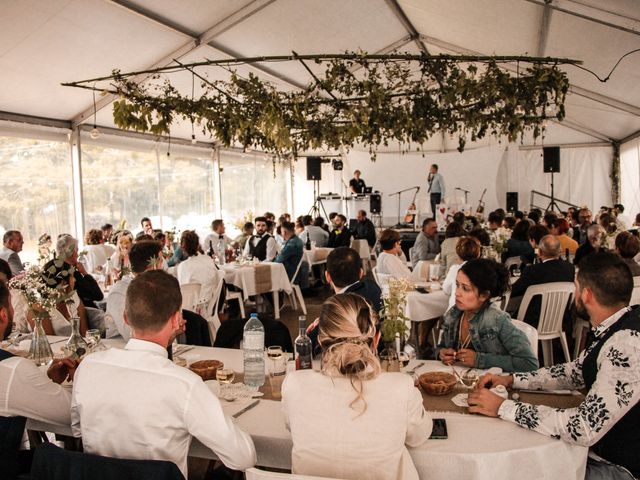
[
  {"x": 217, "y": 240},
  {"x": 151, "y": 408},
  {"x": 26, "y": 391},
  {"x": 13, "y": 242},
  {"x": 314, "y": 233},
  {"x": 261, "y": 245}
]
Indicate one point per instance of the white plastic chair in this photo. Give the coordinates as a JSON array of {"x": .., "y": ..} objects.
[
  {"x": 190, "y": 296},
  {"x": 210, "y": 310},
  {"x": 555, "y": 297},
  {"x": 296, "y": 291},
  {"x": 579, "y": 328},
  {"x": 635, "y": 294},
  {"x": 530, "y": 332},
  {"x": 509, "y": 262},
  {"x": 255, "y": 474},
  {"x": 382, "y": 279},
  {"x": 362, "y": 247}
]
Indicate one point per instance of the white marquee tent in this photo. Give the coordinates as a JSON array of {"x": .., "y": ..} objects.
[{"x": 46, "y": 42}]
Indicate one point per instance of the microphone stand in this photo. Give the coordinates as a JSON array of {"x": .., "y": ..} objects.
[
  {"x": 344, "y": 198},
  {"x": 399, "y": 193},
  {"x": 466, "y": 193}
]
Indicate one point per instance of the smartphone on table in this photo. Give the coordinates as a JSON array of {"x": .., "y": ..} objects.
[{"x": 439, "y": 431}]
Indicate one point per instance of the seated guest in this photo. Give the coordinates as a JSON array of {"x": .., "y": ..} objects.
[
  {"x": 147, "y": 227},
  {"x": 345, "y": 275},
  {"x": 427, "y": 245},
  {"x": 247, "y": 232},
  {"x": 262, "y": 245},
  {"x": 291, "y": 252},
  {"x": 270, "y": 216},
  {"x": 509, "y": 223},
  {"x": 365, "y": 230},
  {"x": 5, "y": 272},
  {"x": 468, "y": 248},
  {"x": 319, "y": 222},
  {"x": 482, "y": 236},
  {"x": 448, "y": 255},
  {"x": 26, "y": 391},
  {"x": 566, "y": 243},
  {"x": 177, "y": 404},
  {"x": 518, "y": 245},
  {"x": 352, "y": 396},
  {"x": 494, "y": 221},
  {"x": 593, "y": 243},
  {"x": 120, "y": 259},
  {"x": 607, "y": 419},
  {"x": 313, "y": 233},
  {"x": 585, "y": 219},
  {"x": 340, "y": 236},
  {"x": 85, "y": 285},
  {"x": 198, "y": 267},
  {"x": 98, "y": 253},
  {"x": 534, "y": 216},
  {"x": 476, "y": 333},
  {"x": 59, "y": 275},
  {"x": 278, "y": 235},
  {"x": 216, "y": 242},
  {"x": 627, "y": 247},
  {"x": 13, "y": 243},
  {"x": 391, "y": 260},
  {"x": 107, "y": 231},
  {"x": 550, "y": 269}
]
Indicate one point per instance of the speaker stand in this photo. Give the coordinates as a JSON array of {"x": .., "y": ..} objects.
[
  {"x": 314, "y": 211},
  {"x": 552, "y": 204}
]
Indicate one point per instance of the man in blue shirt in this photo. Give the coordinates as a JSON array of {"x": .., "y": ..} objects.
[
  {"x": 292, "y": 251},
  {"x": 436, "y": 188}
]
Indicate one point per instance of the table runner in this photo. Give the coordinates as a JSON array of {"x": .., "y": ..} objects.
[{"x": 263, "y": 278}]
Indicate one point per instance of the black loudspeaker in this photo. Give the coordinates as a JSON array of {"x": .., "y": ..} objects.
[
  {"x": 375, "y": 203},
  {"x": 551, "y": 156},
  {"x": 512, "y": 201},
  {"x": 314, "y": 168}
]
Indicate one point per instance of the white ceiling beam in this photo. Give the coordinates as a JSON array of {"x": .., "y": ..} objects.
[
  {"x": 582, "y": 129},
  {"x": 388, "y": 49},
  {"x": 149, "y": 15},
  {"x": 194, "y": 42},
  {"x": 633, "y": 136},
  {"x": 33, "y": 120},
  {"x": 583, "y": 92},
  {"x": 590, "y": 18},
  {"x": 543, "y": 32},
  {"x": 406, "y": 23}
]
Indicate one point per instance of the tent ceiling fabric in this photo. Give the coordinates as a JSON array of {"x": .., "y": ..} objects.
[{"x": 46, "y": 42}]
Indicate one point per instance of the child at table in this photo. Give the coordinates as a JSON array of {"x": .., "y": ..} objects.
[{"x": 476, "y": 333}]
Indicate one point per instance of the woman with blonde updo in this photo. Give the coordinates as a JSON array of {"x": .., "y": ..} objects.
[{"x": 349, "y": 420}]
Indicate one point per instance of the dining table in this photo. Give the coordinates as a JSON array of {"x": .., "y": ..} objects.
[{"x": 477, "y": 447}]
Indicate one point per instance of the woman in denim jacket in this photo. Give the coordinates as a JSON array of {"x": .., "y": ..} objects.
[{"x": 477, "y": 334}]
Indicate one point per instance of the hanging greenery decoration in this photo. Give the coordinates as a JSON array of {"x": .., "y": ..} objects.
[{"x": 358, "y": 99}]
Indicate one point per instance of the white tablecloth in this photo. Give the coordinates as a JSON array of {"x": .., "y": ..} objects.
[
  {"x": 244, "y": 277},
  {"x": 477, "y": 448},
  {"x": 425, "y": 306},
  {"x": 317, "y": 256}
]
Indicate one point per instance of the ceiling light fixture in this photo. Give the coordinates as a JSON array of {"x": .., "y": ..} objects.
[{"x": 94, "y": 133}]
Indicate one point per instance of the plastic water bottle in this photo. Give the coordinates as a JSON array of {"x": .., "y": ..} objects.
[{"x": 253, "y": 350}]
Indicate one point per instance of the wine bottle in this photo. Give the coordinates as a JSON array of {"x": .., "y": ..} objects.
[{"x": 303, "y": 346}]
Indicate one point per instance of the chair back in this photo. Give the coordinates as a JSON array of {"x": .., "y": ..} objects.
[
  {"x": 555, "y": 298},
  {"x": 530, "y": 332},
  {"x": 190, "y": 296},
  {"x": 511, "y": 261},
  {"x": 502, "y": 302},
  {"x": 255, "y": 474},
  {"x": 53, "y": 463},
  {"x": 635, "y": 294},
  {"x": 362, "y": 247},
  {"x": 382, "y": 279},
  {"x": 295, "y": 275}
]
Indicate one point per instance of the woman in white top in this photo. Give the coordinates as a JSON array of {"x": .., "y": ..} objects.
[
  {"x": 97, "y": 252},
  {"x": 468, "y": 248},
  {"x": 448, "y": 255},
  {"x": 349, "y": 420},
  {"x": 388, "y": 262},
  {"x": 198, "y": 267}
]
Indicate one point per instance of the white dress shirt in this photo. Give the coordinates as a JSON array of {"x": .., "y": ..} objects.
[
  {"x": 200, "y": 269},
  {"x": 27, "y": 391},
  {"x": 114, "y": 321},
  {"x": 272, "y": 247},
  {"x": 135, "y": 403},
  {"x": 331, "y": 439},
  {"x": 316, "y": 234},
  {"x": 392, "y": 265},
  {"x": 218, "y": 244}
]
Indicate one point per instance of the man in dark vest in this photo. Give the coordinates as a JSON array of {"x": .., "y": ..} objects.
[
  {"x": 261, "y": 245},
  {"x": 25, "y": 390},
  {"x": 608, "y": 419}
]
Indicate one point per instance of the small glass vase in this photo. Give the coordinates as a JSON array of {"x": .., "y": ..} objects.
[
  {"x": 40, "y": 350},
  {"x": 76, "y": 346},
  {"x": 389, "y": 358}
]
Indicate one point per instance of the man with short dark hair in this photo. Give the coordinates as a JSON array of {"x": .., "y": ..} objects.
[
  {"x": 345, "y": 275},
  {"x": 147, "y": 228},
  {"x": 550, "y": 269},
  {"x": 157, "y": 406},
  {"x": 365, "y": 229},
  {"x": 292, "y": 251},
  {"x": 261, "y": 245},
  {"x": 314, "y": 233},
  {"x": 25, "y": 391},
  {"x": 356, "y": 184},
  {"x": 217, "y": 241},
  {"x": 12, "y": 246},
  {"x": 608, "y": 419},
  {"x": 107, "y": 230},
  {"x": 340, "y": 236},
  {"x": 427, "y": 244}
]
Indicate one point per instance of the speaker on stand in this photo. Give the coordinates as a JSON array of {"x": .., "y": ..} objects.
[
  {"x": 314, "y": 174},
  {"x": 375, "y": 208},
  {"x": 551, "y": 164},
  {"x": 512, "y": 201}
]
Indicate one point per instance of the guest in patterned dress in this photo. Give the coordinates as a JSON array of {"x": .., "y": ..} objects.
[{"x": 608, "y": 420}]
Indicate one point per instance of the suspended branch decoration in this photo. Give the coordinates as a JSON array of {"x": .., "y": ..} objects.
[{"x": 358, "y": 99}]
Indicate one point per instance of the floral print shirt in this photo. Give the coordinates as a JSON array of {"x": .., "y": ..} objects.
[{"x": 615, "y": 391}]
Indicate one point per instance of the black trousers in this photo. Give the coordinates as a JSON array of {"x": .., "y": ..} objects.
[{"x": 435, "y": 200}]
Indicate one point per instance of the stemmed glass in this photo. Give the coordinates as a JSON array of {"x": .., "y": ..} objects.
[{"x": 470, "y": 378}]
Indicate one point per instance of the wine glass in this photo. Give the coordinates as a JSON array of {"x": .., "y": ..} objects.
[
  {"x": 225, "y": 375},
  {"x": 470, "y": 378},
  {"x": 274, "y": 353}
]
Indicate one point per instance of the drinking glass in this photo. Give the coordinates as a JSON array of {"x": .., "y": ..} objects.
[
  {"x": 470, "y": 378},
  {"x": 404, "y": 359},
  {"x": 93, "y": 338},
  {"x": 225, "y": 375},
  {"x": 277, "y": 372}
]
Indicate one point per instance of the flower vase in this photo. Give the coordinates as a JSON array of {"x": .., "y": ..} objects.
[
  {"x": 76, "y": 346},
  {"x": 40, "y": 350},
  {"x": 389, "y": 358}
]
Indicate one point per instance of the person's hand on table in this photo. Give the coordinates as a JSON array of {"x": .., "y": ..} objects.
[
  {"x": 448, "y": 356},
  {"x": 490, "y": 380},
  {"x": 180, "y": 330},
  {"x": 62, "y": 369},
  {"x": 466, "y": 357},
  {"x": 484, "y": 402}
]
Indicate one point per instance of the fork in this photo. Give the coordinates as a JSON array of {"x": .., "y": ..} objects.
[{"x": 413, "y": 370}]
